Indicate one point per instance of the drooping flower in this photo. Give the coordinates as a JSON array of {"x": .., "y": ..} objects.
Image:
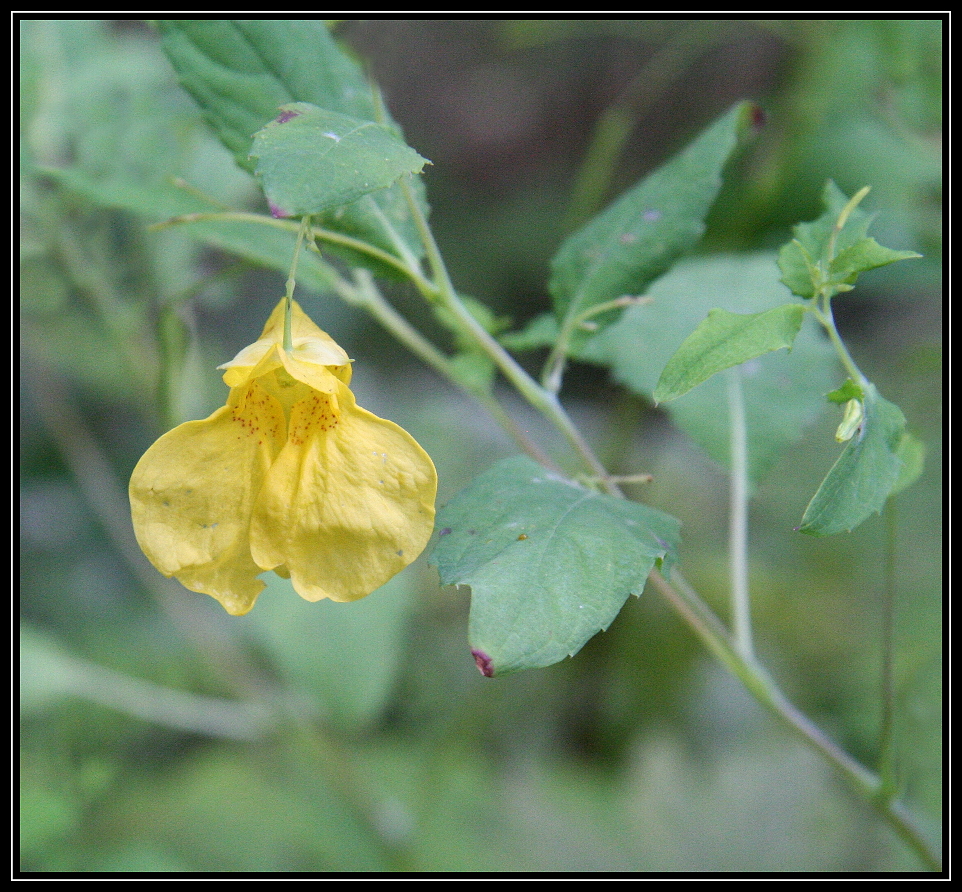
[{"x": 291, "y": 475}]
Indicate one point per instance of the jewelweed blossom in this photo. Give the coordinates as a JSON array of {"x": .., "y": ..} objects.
[{"x": 291, "y": 475}]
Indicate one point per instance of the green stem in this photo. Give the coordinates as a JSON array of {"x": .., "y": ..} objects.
[
  {"x": 738, "y": 519},
  {"x": 823, "y": 299},
  {"x": 239, "y": 720},
  {"x": 538, "y": 397},
  {"x": 366, "y": 295},
  {"x": 853, "y": 203},
  {"x": 291, "y": 282},
  {"x": 827, "y": 321},
  {"x": 324, "y": 235}
]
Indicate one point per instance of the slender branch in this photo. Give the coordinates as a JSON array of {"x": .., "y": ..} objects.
[
  {"x": 172, "y": 708},
  {"x": 288, "y": 225},
  {"x": 543, "y": 401},
  {"x": 853, "y": 203},
  {"x": 738, "y": 518},
  {"x": 619, "y": 120},
  {"x": 827, "y": 321},
  {"x": 291, "y": 282},
  {"x": 366, "y": 295}
]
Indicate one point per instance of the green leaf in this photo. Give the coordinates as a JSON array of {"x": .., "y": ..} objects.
[
  {"x": 783, "y": 393},
  {"x": 241, "y": 72},
  {"x": 311, "y": 159},
  {"x": 639, "y": 237},
  {"x": 866, "y": 473},
  {"x": 724, "y": 340},
  {"x": 549, "y": 562},
  {"x": 848, "y": 391},
  {"x": 912, "y": 452},
  {"x": 824, "y": 256},
  {"x": 799, "y": 271},
  {"x": 864, "y": 255},
  {"x": 542, "y": 331}
]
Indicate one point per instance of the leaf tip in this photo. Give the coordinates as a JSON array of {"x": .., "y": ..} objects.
[
  {"x": 756, "y": 116},
  {"x": 276, "y": 211},
  {"x": 483, "y": 662}
]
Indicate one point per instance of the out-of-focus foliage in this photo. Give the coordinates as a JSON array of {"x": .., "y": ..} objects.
[{"x": 158, "y": 734}]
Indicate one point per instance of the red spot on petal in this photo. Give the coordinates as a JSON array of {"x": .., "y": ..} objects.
[{"x": 483, "y": 661}]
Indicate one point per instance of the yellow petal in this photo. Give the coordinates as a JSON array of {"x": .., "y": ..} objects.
[
  {"x": 317, "y": 377},
  {"x": 310, "y": 347},
  {"x": 252, "y": 362},
  {"x": 344, "y": 507},
  {"x": 193, "y": 491}
]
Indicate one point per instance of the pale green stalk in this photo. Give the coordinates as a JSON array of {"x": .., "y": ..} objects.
[
  {"x": 822, "y": 303},
  {"x": 291, "y": 282},
  {"x": 366, "y": 295},
  {"x": 827, "y": 321},
  {"x": 738, "y": 519},
  {"x": 540, "y": 399},
  {"x": 325, "y": 235}
]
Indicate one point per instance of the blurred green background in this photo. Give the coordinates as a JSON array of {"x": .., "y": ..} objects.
[{"x": 160, "y": 734}]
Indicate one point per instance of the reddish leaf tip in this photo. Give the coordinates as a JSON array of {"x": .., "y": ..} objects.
[
  {"x": 286, "y": 115},
  {"x": 276, "y": 211},
  {"x": 483, "y": 662}
]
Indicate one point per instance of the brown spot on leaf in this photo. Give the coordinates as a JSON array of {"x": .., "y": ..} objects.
[{"x": 483, "y": 662}]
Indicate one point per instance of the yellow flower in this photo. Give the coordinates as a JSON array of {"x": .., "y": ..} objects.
[{"x": 291, "y": 475}]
